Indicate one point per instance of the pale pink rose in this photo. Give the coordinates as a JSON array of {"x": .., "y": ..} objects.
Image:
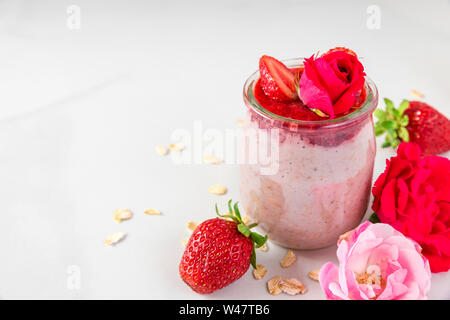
[{"x": 376, "y": 262}]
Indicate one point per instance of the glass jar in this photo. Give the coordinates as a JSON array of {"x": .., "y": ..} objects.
[{"x": 317, "y": 184}]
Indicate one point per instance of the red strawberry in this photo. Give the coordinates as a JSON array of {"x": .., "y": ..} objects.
[
  {"x": 277, "y": 80},
  {"x": 417, "y": 122},
  {"x": 219, "y": 252},
  {"x": 428, "y": 128}
]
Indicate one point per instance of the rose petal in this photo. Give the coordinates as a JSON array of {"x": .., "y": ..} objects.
[
  {"x": 329, "y": 275},
  {"x": 440, "y": 168},
  {"x": 410, "y": 151},
  {"x": 387, "y": 212},
  {"x": 394, "y": 285},
  {"x": 335, "y": 87},
  {"x": 438, "y": 263},
  {"x": 403, "y": 194},
  {"x": 347, "y": 100}
]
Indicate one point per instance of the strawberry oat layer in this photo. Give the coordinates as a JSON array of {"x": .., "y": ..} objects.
[{"x": 324, "y": 159}]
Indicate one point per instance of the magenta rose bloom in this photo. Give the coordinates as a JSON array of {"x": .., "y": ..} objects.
[
  {"x": 376, "y": 262},
  {"x": 330, "y": 82}
]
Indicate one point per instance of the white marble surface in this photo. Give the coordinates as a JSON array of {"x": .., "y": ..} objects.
[{"x": 81, "y": 111}]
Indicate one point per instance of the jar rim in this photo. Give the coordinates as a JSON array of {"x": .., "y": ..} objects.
[{"x": 366, "y": 108}]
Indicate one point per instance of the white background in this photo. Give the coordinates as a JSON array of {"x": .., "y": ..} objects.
[{"x": 82, "y": 110}]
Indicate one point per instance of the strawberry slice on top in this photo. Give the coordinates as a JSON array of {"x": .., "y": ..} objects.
[{"x": 277, "y": 80}]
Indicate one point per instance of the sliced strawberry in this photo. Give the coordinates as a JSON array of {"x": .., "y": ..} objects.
[{"x": 277, "y": 81}]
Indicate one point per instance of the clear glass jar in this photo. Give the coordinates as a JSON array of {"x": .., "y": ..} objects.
[{"x": 318, "y": 183}]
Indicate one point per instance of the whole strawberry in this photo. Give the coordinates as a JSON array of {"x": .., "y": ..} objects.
[
  {"x": 219, "y": 252},
  {"x": 414, "y": 121}
]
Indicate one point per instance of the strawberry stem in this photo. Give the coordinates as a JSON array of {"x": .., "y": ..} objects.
[{"x": 257, "y": 239}]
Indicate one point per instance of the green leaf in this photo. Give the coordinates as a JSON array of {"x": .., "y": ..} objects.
[
  {"x": 230, "y": 210},
  {"x": 236, "y": 211},
  {"x": 403, "y": 106},
  {"x": 379, "y": 130},
  {"x": 396, "y": 114},
  {"x": 404, "y": 121},
  {"x": 389, "y": 106},
  {"x": 380, "y": 114},
  {"x": 374, "y": 218},
  {"x": 253, "y": 258},
  {"x": 243, "y": 229},
  {"x": 403, "y": 134},
  {"x": 389, "y": 124},
  {"x": 392, "y": 134},
  {"x": 258, "y": 239},
  {"x": 252, "y": 225},
  {"x": 231, "y": 216},
  {"x": 395, "y": 143},
  {"x": 386, "y": 144}
]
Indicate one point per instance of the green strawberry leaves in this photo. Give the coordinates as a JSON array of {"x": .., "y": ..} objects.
[
  {"x": 244, "y": 229},
  {"x": 257, "y": 239},
  {"x": 393, "y": 122},
  {"x": 374, "y": 218}
]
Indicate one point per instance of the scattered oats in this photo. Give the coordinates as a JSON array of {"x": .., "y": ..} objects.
[
  {"x": 259, "y": 272},
  {"x": 210, "y": 159},
  {"x": 122, "y": 214},
  {"x": 161, "y": 150},
  {"x": 240, "y": 122},
  {"x": 264, "y": 247},
  {"x": 217, "y": 189},
  {"x": 314, "y": 274},
  {"x": 292, "y": 286},
  {"x": 114, "y": 238},
  {"x": 288, "y": 259},
  {"x": 417, "y": 94},
  {"x": 184, "y": 242},
  {"x": 274, "y": 285},
  {"x": 192, "y": 225},
  {"x": 152, "y": 212},
  {"x": 176, "y": 146}
]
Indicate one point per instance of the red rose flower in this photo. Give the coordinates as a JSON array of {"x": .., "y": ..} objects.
[
  {"x": 413, "y": 195},
  {"x": 330, "y": 83}
]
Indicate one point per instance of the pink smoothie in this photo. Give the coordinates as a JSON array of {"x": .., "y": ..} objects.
[{"x": 322, "y": 185}]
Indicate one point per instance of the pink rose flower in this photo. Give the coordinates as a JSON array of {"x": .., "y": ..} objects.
[{"x": 376, "y": 262}]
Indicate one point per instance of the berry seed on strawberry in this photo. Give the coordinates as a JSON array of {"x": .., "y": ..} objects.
[
  {"x": 219, "y": 252},
  {"x": 414, "y": 121},
  {"x": 277, "y": 80}
]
